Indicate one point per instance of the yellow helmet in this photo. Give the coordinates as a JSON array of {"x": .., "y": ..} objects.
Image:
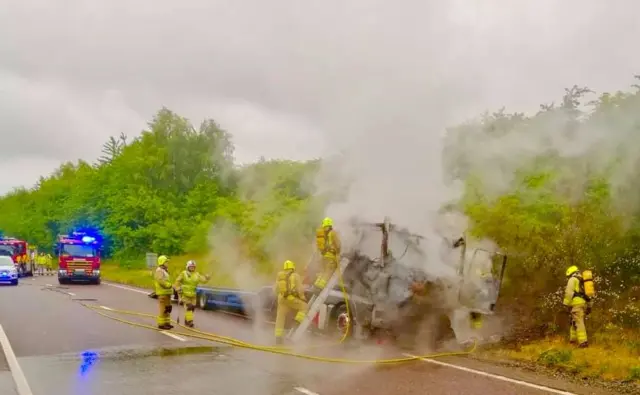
[
  {"x": 327, "y": 222},
  {"x": 162, "y": 259},
  {"x": 571, "y": 270},
  {"x": 289, "y": 265}
]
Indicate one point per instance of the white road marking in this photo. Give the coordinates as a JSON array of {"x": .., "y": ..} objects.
[
  {"x": 305, "y": 391},
  {"x": 182, "y": 339},
  {"x": 106, "y": 308},
  {"x": 494, "y": 376},
  {"x": 22, "y": 386},
  {"x": 127, "y": 288},
  {"x": 49, "y": 285},
  {"x": 71, "y": 293}
]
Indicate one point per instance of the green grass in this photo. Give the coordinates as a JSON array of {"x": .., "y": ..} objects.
[
  {"x": 613, "y": 354},
  {"x": 135, "y": 273}
]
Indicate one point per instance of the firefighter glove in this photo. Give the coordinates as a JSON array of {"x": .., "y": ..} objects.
[{"x": 588, "y": 310}]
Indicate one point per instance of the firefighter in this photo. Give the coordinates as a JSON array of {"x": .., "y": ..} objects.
[
  {"x": 328, "y": 244},
  {"x": 164, "y": 290},
  {"x": 48, "y": 263},
  {"x": 40, "y": 263},
  {"x": 290, "y": 297},
  {"x": 185, "y": 285},
  {"x": 577, "y": 305}
]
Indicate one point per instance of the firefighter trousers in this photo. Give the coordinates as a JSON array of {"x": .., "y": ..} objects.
[
  {"x": 329, "y": 266},
  {"x": 189, "y": 303},
  {"x": 286, "y": 305},
  {"x": 164, "y": 310},
  {"x": 578, "y": 330}
]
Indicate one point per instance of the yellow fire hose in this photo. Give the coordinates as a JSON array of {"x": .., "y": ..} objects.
[
  {"x": 197, "y": 334},
  {"x": 275, "y": 350}
]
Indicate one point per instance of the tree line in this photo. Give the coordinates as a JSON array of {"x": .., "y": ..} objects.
[{"x": 552, "y": 189}]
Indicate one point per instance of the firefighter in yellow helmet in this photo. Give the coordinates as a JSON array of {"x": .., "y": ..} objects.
[
  {"x": 290, "y": 297},
  {"x": 186, "y": 284},
  {"x": 328, "y": 244},
  {"x": 578, "y": 305},
  {"x": 164, "y": 290}
]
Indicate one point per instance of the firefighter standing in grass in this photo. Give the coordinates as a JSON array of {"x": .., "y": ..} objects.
[
  {"x": 578, "y": 302},
  {"x": 328, "y": 244},
  {"x": 164, "y": 290},
  {"x": 186, "y": 284},
  {"x": 290, "y": 297}
]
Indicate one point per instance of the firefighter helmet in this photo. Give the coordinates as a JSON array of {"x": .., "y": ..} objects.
[
  {"x": 327, "y": 222},
  {"x": 289, "y": 265},
  {"x": 191, "y": 263},
  {"x": 571, "y": 270},
  {"x": 162, "y": 259}
]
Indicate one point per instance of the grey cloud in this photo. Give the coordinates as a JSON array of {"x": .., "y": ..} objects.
[{"x": 313, "y": 76}]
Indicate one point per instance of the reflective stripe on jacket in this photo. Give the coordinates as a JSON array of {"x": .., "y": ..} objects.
[
  {"x": 328, "y": 242},
  {"x": 162, "y": 283},
  {"x": 573, "y": 288},
  {"x": 188, "y": 282},
  {"x": 289, "y": 283}
]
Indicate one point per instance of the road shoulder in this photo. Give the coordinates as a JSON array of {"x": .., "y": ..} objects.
[{"x": 12, "y": 378}]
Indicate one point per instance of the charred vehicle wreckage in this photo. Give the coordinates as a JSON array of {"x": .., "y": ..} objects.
[
  {"x": 398, "y": 284},
  {"x": 401, "y": 285}
]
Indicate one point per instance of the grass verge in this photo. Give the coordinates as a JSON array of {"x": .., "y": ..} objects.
[
  {"x": 135, "y": 273},
  {"x": 613, "y": 355}
]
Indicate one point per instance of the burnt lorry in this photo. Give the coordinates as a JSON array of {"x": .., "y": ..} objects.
[{"x": 401, "y": 280}]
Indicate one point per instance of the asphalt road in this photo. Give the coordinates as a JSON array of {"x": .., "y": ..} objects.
[{"x": 65, "y": 348}]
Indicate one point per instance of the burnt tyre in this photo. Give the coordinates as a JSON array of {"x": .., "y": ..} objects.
[{"x": 341, "y": 322}]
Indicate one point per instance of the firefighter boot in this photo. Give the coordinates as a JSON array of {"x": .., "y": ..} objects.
[
  {"x": 189, "y": 324},
  {"x": 165, "y": 327},
  {"x": 583, "y": 345}
]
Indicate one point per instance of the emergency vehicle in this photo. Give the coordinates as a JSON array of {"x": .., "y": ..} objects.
[
  {"x": 79, "y": 258},
  {"x": 18, "y": 251}
]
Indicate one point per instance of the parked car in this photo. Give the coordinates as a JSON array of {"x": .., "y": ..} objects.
[{"x": 8, "y": 271}]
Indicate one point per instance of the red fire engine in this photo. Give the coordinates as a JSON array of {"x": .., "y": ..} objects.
[
  {"x": 78, "y": 258},
  {"x": 18, "y": 251}
]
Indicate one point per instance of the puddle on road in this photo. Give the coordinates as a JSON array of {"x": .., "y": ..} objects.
[
  {"x": 129, "y": 354},
  {"x": 192, "y": 370}
]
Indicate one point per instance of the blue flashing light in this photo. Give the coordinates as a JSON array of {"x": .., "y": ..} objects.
[
  {"x": 88, "y": 239},
  {"x": 89, "y": 359}
]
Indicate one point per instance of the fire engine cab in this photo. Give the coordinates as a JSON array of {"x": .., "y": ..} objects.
[{"x": 79, "y": 258}]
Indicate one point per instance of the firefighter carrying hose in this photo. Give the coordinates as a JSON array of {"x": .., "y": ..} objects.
[
  {"x": 164, "y": 290},
  {"x": 290, "y": 297},
  {"x": 186, "y": 284},
  {"x": 328, "y": 244},
  {"x": 578, "y": 303}
]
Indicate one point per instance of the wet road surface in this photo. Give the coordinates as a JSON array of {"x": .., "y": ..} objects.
[{"x": 65, "y": 348}]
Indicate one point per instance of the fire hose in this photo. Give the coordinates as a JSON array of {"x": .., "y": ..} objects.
[{"x": 202, "y": 335}]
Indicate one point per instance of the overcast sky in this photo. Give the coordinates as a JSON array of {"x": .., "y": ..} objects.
[{"x": 289, "y": 78}]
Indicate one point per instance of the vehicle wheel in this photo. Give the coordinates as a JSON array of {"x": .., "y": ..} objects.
[
  {"x": 97, "y": 282},
  {"x": 341, "y": 321},
  {"x": 202, "y": 301},
  {"x": 62, "y": 282},
  {"x": 14, "y": 282}
]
